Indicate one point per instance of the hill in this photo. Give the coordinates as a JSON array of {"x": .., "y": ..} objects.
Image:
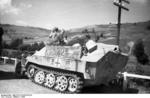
[
  {"x": 29, "y": 34},
  {"x": 129, "y": 32}
]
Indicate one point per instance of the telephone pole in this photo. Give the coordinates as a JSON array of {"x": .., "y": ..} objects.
[{"x": 120, "y": 5}]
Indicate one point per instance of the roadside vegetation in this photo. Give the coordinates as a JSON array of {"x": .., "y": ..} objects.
[
  {"x": 139, "y": 52},
  {"x": 17, "y": 47}
]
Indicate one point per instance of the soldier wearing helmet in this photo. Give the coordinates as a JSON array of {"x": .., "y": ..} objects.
[{"x": 56, "y": 37}]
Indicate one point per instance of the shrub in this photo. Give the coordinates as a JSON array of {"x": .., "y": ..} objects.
[
  {"x": 25, "y": 47},
  {"x": 139, "y": 52},
  {"x": 11, "y": 53},
  {"x": 5, "y": 45},
  {"x": 15, "y": 43},
  {"x": 5, "y": 53},
  {"x": 148, "y": 27},
  {"x": 33, "y": 47}
]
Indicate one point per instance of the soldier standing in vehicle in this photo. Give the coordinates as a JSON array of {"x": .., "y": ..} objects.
[
  {"x": 65, "y": 40},
  {"x": 56, "y": 37},
  {"x": 61, "y": 38}
]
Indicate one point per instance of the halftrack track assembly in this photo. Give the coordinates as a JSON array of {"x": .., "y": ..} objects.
[{"x": 60, "y": 80}]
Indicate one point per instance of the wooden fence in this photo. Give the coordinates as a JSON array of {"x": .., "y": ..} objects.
[
  {"x": 126, "y": 75},
  {"x": 7, "y": 58}
]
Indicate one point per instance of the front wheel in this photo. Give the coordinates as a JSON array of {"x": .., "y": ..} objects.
[{"x": 30, "y": 71}]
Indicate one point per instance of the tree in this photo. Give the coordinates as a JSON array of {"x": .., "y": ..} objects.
[
  {"x": 5, "y": 45},
  {"x": 148, "y": 27},
  {"x": 139, "y": 52},
  {"x": 15, "y": 43},
  {"x": 24, "y": 47},
  {"x": 97, "y": 37},
  {"x": 41, "y": 45}
]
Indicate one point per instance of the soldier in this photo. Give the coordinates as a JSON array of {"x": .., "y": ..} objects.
[
  {"x": 61, "y": 38},
  {"x": 65, "y": 40},
  {"x": 56, "y": 37},
  {"x": 53, "y": 36},
  {"x": 53, "y": 33}
]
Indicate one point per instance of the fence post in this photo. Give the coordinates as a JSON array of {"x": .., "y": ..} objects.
[
  {"x": 4, "y": 61},
  {"x": 16, "y": 61},
  {"x": 124, "y": 81}
]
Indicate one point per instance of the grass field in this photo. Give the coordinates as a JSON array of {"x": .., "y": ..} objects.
[{"x": 129, "y": 32}]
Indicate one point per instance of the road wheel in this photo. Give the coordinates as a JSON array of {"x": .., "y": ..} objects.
[
  {"x": 62, "y": 83},
  {"x": 50, "y": 80},
  {"x": 73, "y": 85},
  {"x": 39, "y": 77}
]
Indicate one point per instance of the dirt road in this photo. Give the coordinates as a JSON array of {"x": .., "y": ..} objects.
[{"x": 9, "y": 84}]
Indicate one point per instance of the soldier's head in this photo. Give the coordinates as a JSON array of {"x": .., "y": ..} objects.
[
  {"x": 55, "y": 29},
  {"x": 87, "y": 37}
]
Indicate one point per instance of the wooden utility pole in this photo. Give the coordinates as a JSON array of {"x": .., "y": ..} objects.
[{"x": 120, "y": 5}]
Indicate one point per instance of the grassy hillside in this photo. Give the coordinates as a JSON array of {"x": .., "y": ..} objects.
[
  {"x": 29, "y": 34},
  {"x": 129, "y": 32}
]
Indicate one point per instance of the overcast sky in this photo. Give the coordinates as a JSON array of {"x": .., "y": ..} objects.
[{"x": 69, "y": 13}]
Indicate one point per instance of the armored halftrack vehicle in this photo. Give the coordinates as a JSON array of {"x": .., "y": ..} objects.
[
  {"x": 64, "y": 69},
  {"x": 67, "y": 69}
]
